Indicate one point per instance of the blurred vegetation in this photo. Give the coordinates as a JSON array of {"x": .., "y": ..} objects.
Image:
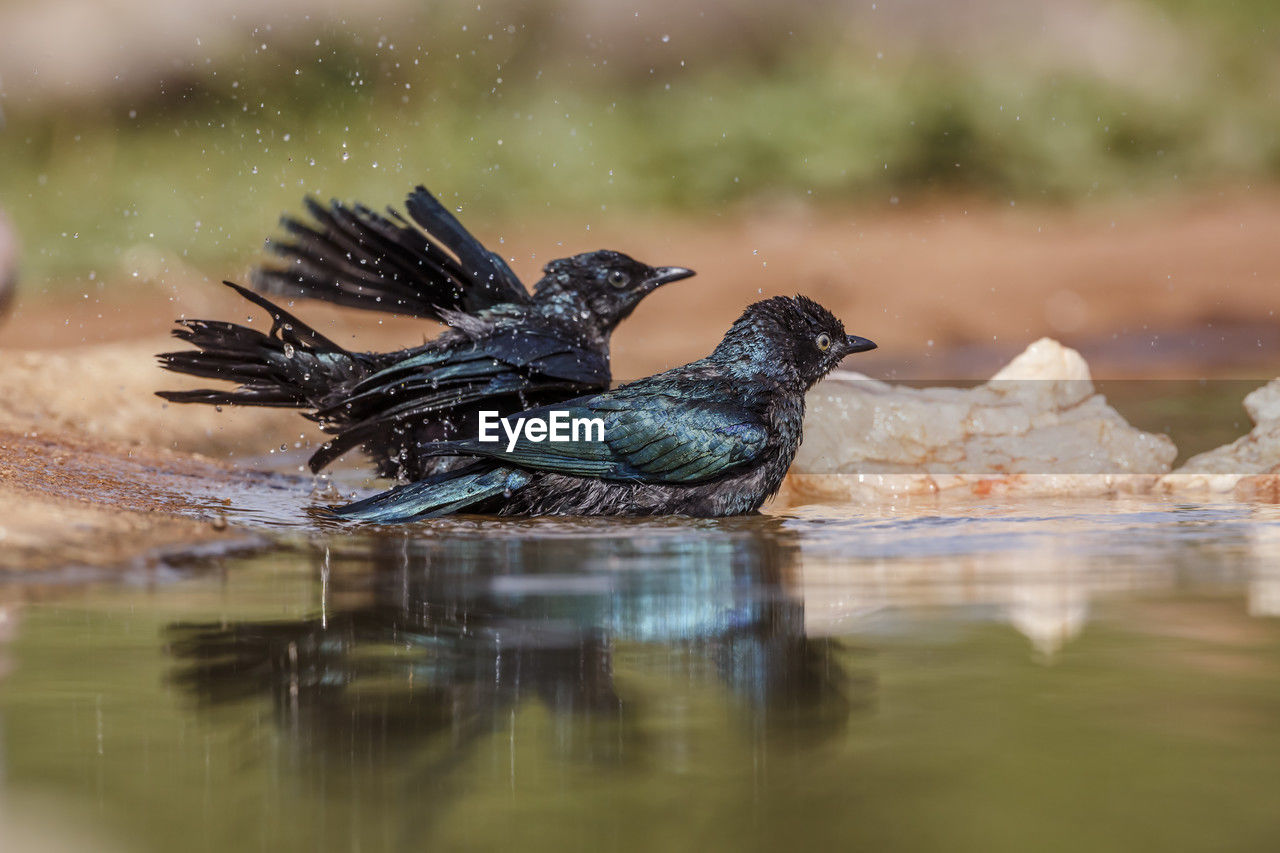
[{"x": 506, "y": 114}]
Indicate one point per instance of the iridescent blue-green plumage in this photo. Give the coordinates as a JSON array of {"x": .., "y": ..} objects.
[
  {"x": 711, "y": 438},
  {"x": 655, "y": 431},
  {"x": 505, "y": 348}
]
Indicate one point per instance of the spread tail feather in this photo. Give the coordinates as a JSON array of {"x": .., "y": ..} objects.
[
  {"x": 291, "y": 365},
  {"x": 442, "y": 494}
]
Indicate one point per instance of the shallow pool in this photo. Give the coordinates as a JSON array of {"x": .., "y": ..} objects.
[{"x": 1056, "y": 675}]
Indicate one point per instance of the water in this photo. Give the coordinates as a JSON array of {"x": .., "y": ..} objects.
[{"x": 1055, "y": 675}]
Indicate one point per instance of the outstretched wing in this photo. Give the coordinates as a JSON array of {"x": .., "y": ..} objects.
[
  {"x": 537, "y": 358},
  {"x": 442, "y": 384},
  {"x": 355, "y": 257},
  {"x": 652, "y": 438},
  {"x": 492, "y": 281}
]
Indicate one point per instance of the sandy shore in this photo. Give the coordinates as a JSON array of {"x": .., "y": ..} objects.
[
  {"x": 96, "y": 472},
  {"x": 69, "y": 502}
]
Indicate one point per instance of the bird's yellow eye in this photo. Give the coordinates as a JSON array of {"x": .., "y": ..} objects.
[
  {"x": 823, "y": 341},
  {"x": 618, "y": 278}
]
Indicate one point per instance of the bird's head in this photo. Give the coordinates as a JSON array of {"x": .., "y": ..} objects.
[
  {"x": 794, "y": 338},
  {"x": 609, "y": 284}
]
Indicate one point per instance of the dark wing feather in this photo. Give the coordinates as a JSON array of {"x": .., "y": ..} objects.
[
  {"x": 494, "y": 280},
  {"x": 541, "y": 350},
  {"x": 453, "y": 384},
  {"x": 289, "y": 365},
  {"x": 354, "y": 257},
  {"x": 539, "y": 359}
]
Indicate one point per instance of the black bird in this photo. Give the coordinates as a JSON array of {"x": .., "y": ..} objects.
[
  {"x": 711, "y": 438},
  {"x": 505, "y": 350}
]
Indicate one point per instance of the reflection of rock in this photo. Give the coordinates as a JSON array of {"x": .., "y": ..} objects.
[
  {"x": 1264, "y": 594},
  {"x": 1048, "y": 611},
  {"x": 1043, "y": 568},
  {"x": 1264, "y": 575},
  {"x": 1037, "y": 428},
  {"x": 1248, "y": 466},
  {"x": 1034, "y": 571}
]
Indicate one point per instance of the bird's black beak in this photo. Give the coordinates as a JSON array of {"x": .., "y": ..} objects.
[
  {"x": 853, "y": 344},
  {"x": 666, "y": 275}
]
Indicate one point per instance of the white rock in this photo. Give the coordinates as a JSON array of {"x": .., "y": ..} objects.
[
  {"x": 1037, "y": 428},
  {"x": 1246, "y": 462}
]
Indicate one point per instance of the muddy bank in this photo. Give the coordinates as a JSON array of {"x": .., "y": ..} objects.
[
  {"x": 96, "y": 471},
  {"x": 69, "y": 501},
  {"x": 86, "y": 478},
  {"x": 107, "y": 392}
]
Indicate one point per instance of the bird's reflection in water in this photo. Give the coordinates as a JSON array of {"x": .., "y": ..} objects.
[{"x": 424, "y": 644}]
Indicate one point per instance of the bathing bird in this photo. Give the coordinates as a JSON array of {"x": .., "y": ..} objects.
[
  {"x": 711, "y": 438},
  {"x": 505, "y": 348}
]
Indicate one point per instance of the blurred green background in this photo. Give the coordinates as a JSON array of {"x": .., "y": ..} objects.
[{"x": 183, "y": 130}]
